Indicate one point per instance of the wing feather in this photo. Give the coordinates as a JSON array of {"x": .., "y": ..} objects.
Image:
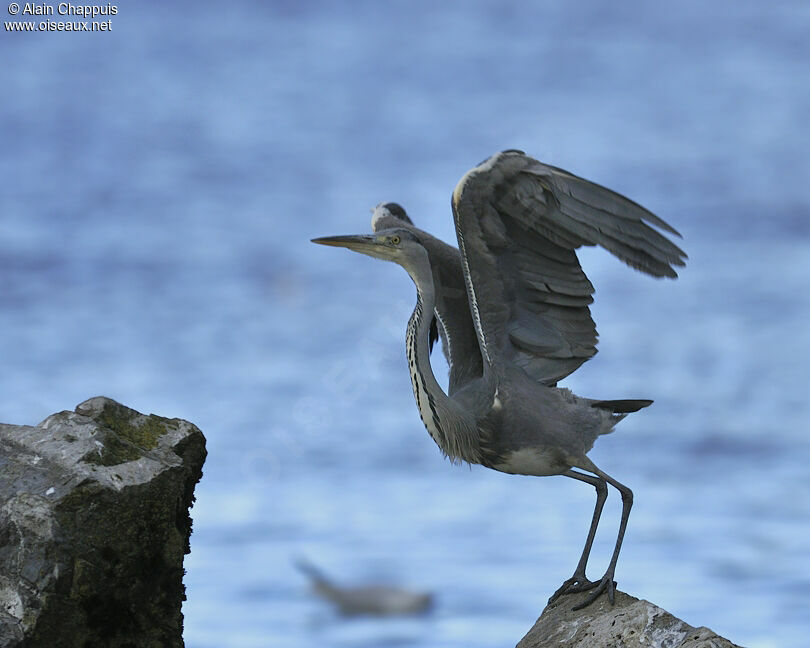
[
  {"x": 632, "y": 231},
  {"x": 599, "y": 197},
  {"x": 519, "y": 223}
]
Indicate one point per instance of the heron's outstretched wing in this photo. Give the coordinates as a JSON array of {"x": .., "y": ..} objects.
[
  {"x": 519, "y": 223},
  {"x": 459, "y": 340}
]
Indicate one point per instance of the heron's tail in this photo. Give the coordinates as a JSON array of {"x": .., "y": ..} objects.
[{"x": 621, "y": 406}]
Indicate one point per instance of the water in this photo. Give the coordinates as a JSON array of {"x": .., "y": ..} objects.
[{"x": 160, "y": 185}]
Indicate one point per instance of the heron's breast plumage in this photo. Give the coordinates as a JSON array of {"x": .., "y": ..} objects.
[{"x": 425, "y": 402}]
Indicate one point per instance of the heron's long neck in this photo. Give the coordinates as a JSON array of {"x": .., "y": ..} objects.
[{"x": 446, "y": 421}]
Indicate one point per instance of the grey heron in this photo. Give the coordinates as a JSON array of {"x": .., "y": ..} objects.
[{"x": 511, "y": 306}]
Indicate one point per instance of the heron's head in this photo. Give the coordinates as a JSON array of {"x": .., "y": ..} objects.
[
  {"x": 388, "y": 215},
  {"x": 394, "y": 244}
]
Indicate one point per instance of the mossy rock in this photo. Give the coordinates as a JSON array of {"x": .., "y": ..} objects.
[
  {"x": 92, "y": 555},
  {"x": 126, "y": 434}
]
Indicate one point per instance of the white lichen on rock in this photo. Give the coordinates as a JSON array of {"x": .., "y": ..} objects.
[{"x": 630, "y": 623}]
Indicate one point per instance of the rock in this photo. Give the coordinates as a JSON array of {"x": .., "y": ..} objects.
[
  {"x": 94, "y": 525},
  {"x": 630, "y": 623}
]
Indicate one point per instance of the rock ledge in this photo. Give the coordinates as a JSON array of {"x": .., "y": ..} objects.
[
  {"x": 94, "y": 525},
  {"x": 630, "y": 623}
]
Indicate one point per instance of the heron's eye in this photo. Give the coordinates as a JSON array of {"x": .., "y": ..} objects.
[{"x": 394, "y": 240}]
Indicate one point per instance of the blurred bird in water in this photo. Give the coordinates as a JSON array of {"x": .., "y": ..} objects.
[
  {"x": 375, "y": 600},
  {"x": 511, "y": 307}
]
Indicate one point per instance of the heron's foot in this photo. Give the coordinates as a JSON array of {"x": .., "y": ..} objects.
[
  {"x": 573, "y": 585},
  {"x": 607, "y": 584}
]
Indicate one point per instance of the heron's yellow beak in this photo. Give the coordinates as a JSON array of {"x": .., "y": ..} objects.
[{"x": 363, "y": 243}]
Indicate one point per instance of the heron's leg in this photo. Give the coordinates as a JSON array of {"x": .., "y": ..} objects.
[
  {"x": 607, "y": 584},
  {"x": 579, "y": 582}
]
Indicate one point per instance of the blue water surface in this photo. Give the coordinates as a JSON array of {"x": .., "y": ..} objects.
[{"x": 161, "y": 182}]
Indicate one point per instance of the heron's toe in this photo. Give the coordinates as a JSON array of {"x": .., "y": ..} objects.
[
  {"x": 607, "y": 584},
  {"x": 573, "y": 585}
]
